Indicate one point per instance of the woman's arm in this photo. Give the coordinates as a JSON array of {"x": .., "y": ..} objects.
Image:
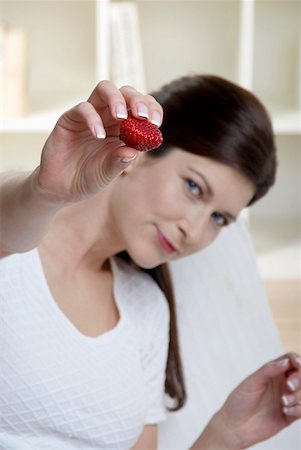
[
  {"x": 25, "y": 212},
  {"x": 217, "y": 436},
  {"x": 147, "y": 439},
  {"x": 253, "y": 412},
  {"x": 262, "y": 405},
  {"x": 82, "y": 155}
]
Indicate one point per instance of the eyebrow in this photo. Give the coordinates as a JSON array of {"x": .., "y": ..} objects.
[{"x": 211, "y": 193}]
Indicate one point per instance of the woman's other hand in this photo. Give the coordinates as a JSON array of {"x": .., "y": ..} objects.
[
  {"x": 265, "y": 402},
  {"x": 84, "y": 153}
]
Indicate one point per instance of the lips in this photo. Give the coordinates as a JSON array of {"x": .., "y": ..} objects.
[{"x": 165, "y": 244}]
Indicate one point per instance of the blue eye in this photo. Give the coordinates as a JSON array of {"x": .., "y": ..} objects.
[
  {"x": 219, "y": 219},
  {"x": 193, "y": 187}
]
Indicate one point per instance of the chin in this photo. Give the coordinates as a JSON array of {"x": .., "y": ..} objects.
[
  {"x": 147, "y": 264},
  {"x": 146, "y": 261}
]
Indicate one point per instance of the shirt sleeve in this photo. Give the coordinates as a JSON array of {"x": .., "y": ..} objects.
[{"x": 155, "y": 357}]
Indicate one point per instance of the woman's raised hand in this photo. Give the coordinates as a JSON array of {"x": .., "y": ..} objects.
[
  {"x": 265, "y": 402},
  {"x": 84, "y": 153}
]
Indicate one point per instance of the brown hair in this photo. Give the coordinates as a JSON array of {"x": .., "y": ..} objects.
[
  {"x": 212, "y": 117},
  {"x": 174, "y": 381}
]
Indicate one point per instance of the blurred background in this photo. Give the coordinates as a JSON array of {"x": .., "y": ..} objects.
[{"x": 52, "y": 54}]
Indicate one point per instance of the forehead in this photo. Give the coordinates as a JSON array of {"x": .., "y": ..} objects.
[
  {"x": 181, "y": 158},
  {"x": 224, "y": 180},
  {"x": 171, "y": 157}
]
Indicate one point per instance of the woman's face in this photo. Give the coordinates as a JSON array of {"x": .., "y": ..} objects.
[{"x": 169, "y": 207}]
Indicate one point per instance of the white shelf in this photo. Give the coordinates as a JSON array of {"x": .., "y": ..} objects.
[
  {"x": 277, "y": 62},
  {"x": 240, "y": 21},
  {"x": 287, "y": 122},
  {"x": 68, "y": 52},
  {"x": 39, "y": 122}
]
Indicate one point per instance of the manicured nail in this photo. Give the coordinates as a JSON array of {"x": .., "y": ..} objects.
[
  {"x": 99, "y": 131},
  {"x": 156, "y": 118},
  {"x": 128, "y": 159},
  {"x": 142, "y": 110},
  {"x": 121, "y": 111},
  {"x": 288, "y": 399},
  {"x": 289, "y": 410},
  {"x": 293, "y": 384},
  {"x": 281, "y": 362},
  {"x": 298, "y": 360}
]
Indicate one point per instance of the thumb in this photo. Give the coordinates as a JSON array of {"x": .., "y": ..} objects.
[
  {"x": 112, "y": 167},
  {"x": 122, "y": 163},
  {"x": 271, "y": 370}
]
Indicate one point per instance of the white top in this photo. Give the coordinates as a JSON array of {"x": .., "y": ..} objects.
[{"x": 60, "y": 389}]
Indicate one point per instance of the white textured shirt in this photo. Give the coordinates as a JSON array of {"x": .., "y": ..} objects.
[{"x": 60, "y": 389}]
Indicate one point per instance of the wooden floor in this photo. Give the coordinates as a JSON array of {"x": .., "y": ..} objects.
[{"x": 285, "y": 300}]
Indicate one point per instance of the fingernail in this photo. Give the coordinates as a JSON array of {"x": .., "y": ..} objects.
[
  {"x": 288, "y": 399},
  {"x": 99, "y": 131},
  {"x": 128, "y": 159},
  {"x": 156, "y": 118},
  {"x": 298, "y": 360},
  {"x": 293, "y": 384},
  {"x": 142, "y": 110},
  {"x": 289, "y": 410},
  {"x": 281, "y": 362},
  {"x": 121, "y": 111}
]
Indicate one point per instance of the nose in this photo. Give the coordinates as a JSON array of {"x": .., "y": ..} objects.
[{"x": 194, "y": 229}]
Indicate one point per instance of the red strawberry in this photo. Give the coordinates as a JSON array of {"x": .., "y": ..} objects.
[{"x": 140, "y": 134}]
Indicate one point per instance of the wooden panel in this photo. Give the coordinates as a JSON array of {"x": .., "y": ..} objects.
[{"x": 285, "y": 299}]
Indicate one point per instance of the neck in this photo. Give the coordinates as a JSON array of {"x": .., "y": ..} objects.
[{"x": 84, "y": 235}]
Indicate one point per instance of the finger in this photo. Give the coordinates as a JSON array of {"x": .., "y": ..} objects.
[
  {"x": 105, "y": 95},
  {"x": 114, "y": 166},
  {"x": 295, "y": 360},
  {"x": 84, "y": 116},
  {"x": 143, "y": 106},
  {"x": 274, "y": 368},
  {"x": 292, "y": 410},
  {"x": 261, "y": 377},
  {"x": 291, "y": 399},
  {"x": 293, "y": 381},
  {"x": 156, "y": 111}
]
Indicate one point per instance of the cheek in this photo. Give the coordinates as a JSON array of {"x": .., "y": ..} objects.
[
  {"x": 157, "y": 199},
  {"x": 168, "y": 198},
  {"x": 150, "y": 195}
]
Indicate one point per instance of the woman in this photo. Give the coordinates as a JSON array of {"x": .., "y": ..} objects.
[{"x": 88, "y": 334}]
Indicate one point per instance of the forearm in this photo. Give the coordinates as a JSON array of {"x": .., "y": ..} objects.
[
  {"x": 25, "y": 212},
  {"x": 216, "y": 436}
]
